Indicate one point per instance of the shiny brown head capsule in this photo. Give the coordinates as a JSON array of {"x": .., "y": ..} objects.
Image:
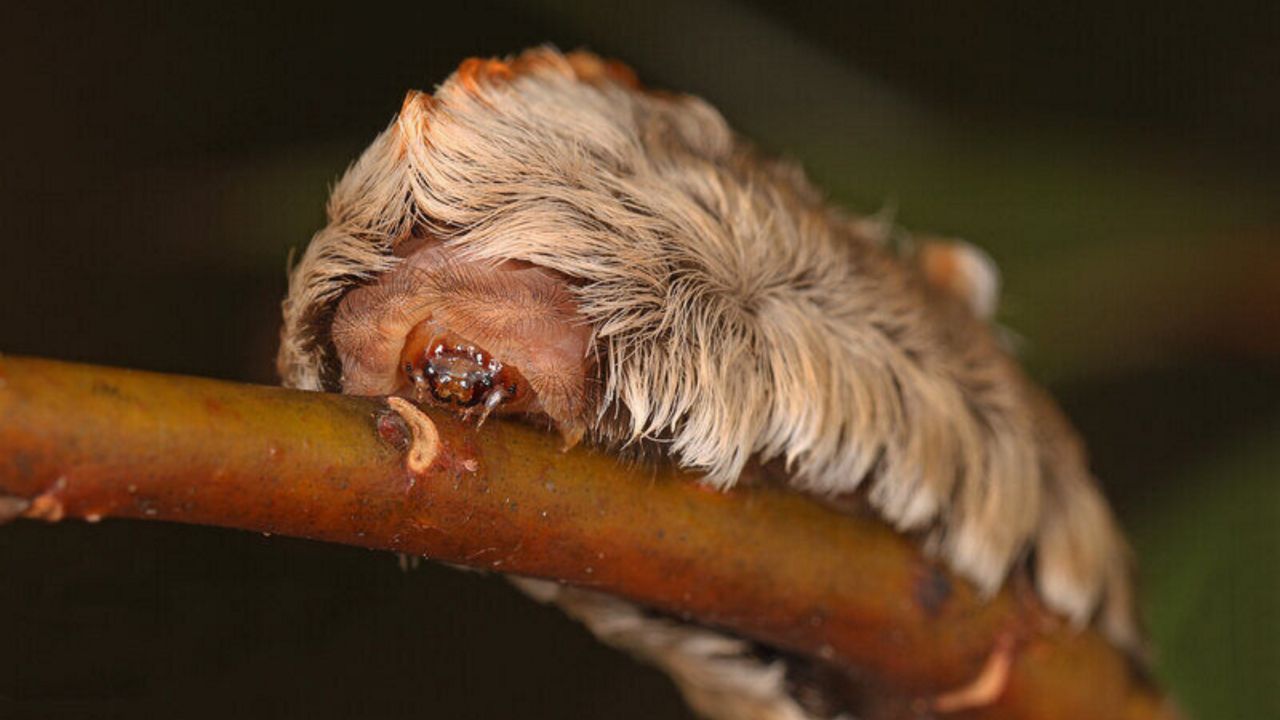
[{"x": 445, "y": 369}]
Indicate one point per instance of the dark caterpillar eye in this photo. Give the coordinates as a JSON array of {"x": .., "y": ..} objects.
[{"x": 447, "y": 370}]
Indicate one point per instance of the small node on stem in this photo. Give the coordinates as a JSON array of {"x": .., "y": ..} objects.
[{"x": 425, "y": 445}]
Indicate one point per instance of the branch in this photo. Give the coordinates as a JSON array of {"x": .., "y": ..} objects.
[{"x": 86, "y": 442}]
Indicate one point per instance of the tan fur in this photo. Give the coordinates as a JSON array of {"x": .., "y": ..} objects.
[
  {"x": 717, "y": 673},
  {"x": 735, "y": 315}
]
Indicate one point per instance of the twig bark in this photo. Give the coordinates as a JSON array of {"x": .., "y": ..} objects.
[{"x": 87, "y": 442}]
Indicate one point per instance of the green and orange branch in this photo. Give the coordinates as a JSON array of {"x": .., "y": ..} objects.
[{"x": 88, "y": 442}]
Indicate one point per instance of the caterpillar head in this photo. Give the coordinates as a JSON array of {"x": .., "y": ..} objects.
[{"x": 475, "y": 337}]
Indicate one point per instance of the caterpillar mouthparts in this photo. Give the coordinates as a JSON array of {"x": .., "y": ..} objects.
[{"x": 440, "y": 367}]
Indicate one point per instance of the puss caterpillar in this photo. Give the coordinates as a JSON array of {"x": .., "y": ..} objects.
[{"x": 545, "y": 236}]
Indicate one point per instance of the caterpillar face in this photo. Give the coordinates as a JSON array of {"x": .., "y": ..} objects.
[
  {"x": 475, "y": 337},
  {"x": 543, "y": 236}
]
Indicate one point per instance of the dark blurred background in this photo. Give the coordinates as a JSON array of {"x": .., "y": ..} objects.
[{"x": 158, "y": 161}]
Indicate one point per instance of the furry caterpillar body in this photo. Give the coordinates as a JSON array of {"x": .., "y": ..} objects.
[{"x": 704, "y": 298}]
